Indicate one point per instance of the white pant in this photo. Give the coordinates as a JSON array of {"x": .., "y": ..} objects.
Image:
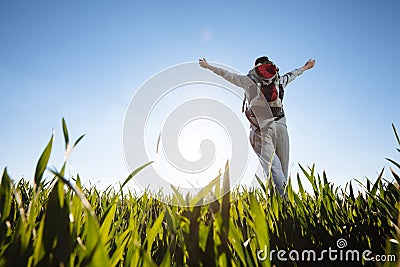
[{"x": 272, "y": 148}]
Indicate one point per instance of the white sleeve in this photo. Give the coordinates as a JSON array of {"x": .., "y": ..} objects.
[
  {"x": 237, "y": 79},
  {"x": 290, "y": 76}
]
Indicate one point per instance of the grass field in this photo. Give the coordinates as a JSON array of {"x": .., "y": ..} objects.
[{"x": 58, "y": 222}]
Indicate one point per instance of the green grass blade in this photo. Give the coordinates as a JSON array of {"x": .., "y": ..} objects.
[
  {"x": 78, "y": 140},
  {"x": 77, "y": 191},
  {"x": 396, "y": 134},
  {"x": 154, "y": 230},
  {"x": 97, "y": 255},
  {"x": 5, "y": 196},
  {"x": 118, "y": 254},
  {"x": 178, "y": 196},
  {"x": 198, "y": 199},
  {"x": 394, "y": 163},
  {"x": 260, "y": 182},
  {"x": 65, "y": 131},
  {"x": 226, "y": 198},
  {"x": 106, "y": 222},
  {"x": 134, "y": 173},
  {"x": 395, "y": 175},
  {"x": 42, "y": 163}
]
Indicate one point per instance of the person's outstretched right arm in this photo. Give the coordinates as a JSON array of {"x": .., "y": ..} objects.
[
  {"x": 239, "y": 80},
  {"x": 290, "y": 76}
]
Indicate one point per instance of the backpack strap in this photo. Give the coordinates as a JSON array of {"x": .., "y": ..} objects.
[
  {"x": 281, "y": 89},
  {"x": 244, "y": 105}
]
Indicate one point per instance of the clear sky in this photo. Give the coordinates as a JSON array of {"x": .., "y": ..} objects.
[{"x": 84, "y": 60}]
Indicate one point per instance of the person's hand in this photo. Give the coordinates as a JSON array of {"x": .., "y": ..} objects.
[
  {"x": 203, "y": 63},
  {"x": 309, "y": 64}
]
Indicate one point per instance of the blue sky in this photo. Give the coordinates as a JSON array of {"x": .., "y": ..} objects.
[{"x": 83, "y": 60}]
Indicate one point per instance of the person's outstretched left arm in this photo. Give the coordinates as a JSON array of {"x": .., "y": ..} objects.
[{"x": 290, "y": 76}]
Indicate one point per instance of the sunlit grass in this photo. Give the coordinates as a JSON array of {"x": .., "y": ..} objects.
[{"x": 61, "y": 223}]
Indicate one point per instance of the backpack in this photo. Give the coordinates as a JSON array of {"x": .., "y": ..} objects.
[{"x": 266, "y": 77}]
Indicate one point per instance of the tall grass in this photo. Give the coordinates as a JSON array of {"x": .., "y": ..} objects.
[{"x": 61, "y": 223}]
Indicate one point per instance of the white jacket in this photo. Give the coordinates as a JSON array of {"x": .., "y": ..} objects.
[{"x": 258, "y": 104}]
